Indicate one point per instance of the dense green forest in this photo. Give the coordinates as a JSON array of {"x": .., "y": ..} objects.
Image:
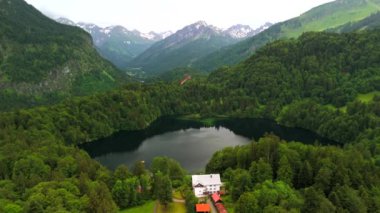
[
  {"x": 312, "y": 82},
  {"x": 43, "y": 62},
  {"x": 275, "y": 176}
]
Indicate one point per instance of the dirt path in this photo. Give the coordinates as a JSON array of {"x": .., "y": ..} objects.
[
  {"x": 155, "y": 207},
  {"x": 178, "y": 200},
  {"x": 213, "y": 209}
]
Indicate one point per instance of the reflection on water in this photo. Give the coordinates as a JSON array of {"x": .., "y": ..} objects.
[{"x": 188, "y": 142}]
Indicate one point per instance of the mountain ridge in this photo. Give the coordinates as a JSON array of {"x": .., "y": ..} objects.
[
  {"x": 122, "y": 46},
  {"x": 320, "y": 18},
  {"x": 189, "y": 44}
]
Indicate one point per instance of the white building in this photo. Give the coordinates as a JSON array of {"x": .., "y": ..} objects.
[{"x": 204, "y": 185}]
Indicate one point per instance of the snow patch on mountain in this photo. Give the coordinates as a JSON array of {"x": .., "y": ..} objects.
[
  {"x": 156, "y": 36},
  {"x": 149, "y": 35},
  {"x": 66, "y": 21},
  {"x": 166, "y": 34},
  {"x": 240, "y": 31},
  {"x": 106, "y": 30},
  {"x": 200, "y": 24}
]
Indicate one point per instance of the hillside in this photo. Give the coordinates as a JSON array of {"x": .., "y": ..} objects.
[
  {"x": 371, "y": 22},
  {"x": 320, "y": 18},
  {"x": 328, "y": 67},
  {"x": 116, "y": 43},
  {"x": 43, "y": 62}
]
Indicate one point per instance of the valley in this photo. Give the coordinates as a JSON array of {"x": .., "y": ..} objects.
[{"x": 116, "y": 43}]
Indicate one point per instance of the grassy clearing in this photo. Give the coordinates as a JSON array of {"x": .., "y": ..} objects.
[
  {"x": 332, "y": 107},
  {"x": 172, "y": 208},
  {"x": 366, "y": 98},
  {"x": 146, "y": 208}
]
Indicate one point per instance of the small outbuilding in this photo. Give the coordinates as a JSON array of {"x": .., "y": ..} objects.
[
  {"x": 202, "y": 208},
  {"x": 220, "y": 208},
  {"x": 216, "y": 198},
  {"x": 218, "y": 203}
]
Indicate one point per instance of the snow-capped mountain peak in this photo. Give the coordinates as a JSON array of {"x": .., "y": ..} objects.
[
  {"x": 239, "y": 31},
  {"x": 107, "y": 30},
  {"x": 66, "y": 21},
  {"x": 166, "y": 34},
  {"x": 193, "y": 31},
  {"x": 200, "y": 24},
  {"x": 100, "y": 33},
  {"x": 151, "y": 35},
  {"x": 199, "y": 28}
]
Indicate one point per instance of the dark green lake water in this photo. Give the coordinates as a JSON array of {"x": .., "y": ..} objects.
[{"x": 189, "y": 142}]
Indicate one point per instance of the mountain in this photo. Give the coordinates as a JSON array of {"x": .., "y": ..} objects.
[
  {"x": 188, "y": 45},
  {"x": 116, "y": 43},
  {"x": 371, "y": 22},
  {"x": 320, "y": 18},
  {"x": 42, "y": 61}
]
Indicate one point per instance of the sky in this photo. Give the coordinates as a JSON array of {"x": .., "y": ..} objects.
[{"x": 165, "y": 15}]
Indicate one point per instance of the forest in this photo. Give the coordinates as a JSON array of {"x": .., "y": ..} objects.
[
  {"x": 275, "y": 176},
  {"x": 312, "y": 82}
]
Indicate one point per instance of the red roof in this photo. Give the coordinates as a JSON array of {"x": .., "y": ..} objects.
[
  {"x": 216, "y": 198},
  {"x": 202, "y": 208},
  {"x": 220, "y": 207}
]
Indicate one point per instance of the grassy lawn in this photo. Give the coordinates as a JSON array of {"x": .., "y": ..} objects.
[
  {"x": 172, "y": 208},
  {"x": 146, "y": 208}
]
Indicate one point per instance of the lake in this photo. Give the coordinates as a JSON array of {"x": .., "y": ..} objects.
[{"x": 189, "y": 142}]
